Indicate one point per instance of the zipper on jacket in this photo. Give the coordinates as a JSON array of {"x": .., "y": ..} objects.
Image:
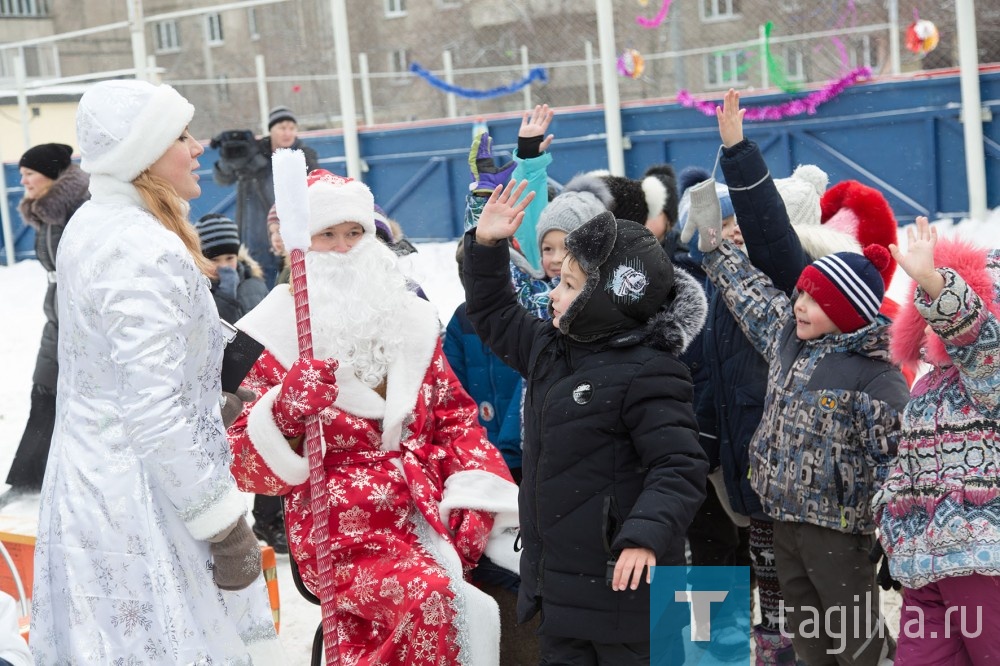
[{"x": 540, "y": 577}]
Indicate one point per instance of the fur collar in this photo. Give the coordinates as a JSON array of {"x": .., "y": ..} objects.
[
  {"x": 979, "y": 268},
  {"x": 253, "y": 268},
  {"x": 272, "y": 323},
  {"x": 677, "y": 323},
  {"x": 56, "y": 206}
]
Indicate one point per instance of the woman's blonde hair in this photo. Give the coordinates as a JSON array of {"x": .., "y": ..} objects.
[{"x": 162, "y": 201}]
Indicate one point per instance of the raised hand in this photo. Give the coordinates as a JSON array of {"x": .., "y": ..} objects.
[
  {"x": 704, "y": 216},
  {"x": 503, "y": 213},
  {"x": 486, "y": 175},
  {"x": 730, "y": 117},
  {"x": 535, "y": 123},
  {"x": 918, "y": 262}
]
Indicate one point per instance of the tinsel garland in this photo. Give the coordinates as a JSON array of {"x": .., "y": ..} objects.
[
  {"x": 536, "y": 74},
  {"x": 660, "y": 17},
  {"x": 795, "y": 107}
]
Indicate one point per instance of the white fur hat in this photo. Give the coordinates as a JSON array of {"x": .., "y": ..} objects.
[
  {"x": 801, "y": 192},
  {"x": 124, "y": 126},
  {"x": 335, "y": 199}
]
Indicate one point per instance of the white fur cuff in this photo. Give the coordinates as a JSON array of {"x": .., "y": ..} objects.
[
  {"x": 483, "y": 491},
  {"x": 226, "y": 511},
  {"x": 272, "y": 446}
]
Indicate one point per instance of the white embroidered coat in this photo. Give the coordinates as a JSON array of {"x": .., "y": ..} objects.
[{"x": 138, "y": 475}]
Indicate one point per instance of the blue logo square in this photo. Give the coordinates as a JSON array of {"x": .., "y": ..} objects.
[{"x": 700, "y": 615}]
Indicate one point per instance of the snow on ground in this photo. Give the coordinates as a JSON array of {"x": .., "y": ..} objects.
[{"x": 22, "y": 288}]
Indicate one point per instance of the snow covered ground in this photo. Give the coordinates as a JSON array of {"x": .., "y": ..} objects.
[{"x": 22, "y": 288}]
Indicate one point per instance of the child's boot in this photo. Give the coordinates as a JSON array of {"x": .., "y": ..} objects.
[{"x": 772, "y": 648}]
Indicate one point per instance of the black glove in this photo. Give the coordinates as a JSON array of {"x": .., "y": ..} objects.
[
  {"x": 884, "y": 577},
  {"x": 235, "y": 557}
]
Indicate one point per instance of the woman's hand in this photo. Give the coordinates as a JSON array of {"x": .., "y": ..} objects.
[
  {"x": 730, "y": 119},
  {"x": 630, "y": 565},
  {"x": 503, "y": 213}
]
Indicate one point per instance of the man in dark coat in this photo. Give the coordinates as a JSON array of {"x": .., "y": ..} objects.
[
  {"x": 255, "y": 187},
  {"x": 612, "y": 469}
]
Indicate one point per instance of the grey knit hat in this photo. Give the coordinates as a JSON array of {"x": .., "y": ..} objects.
[
  {"x": 218, "y": 234},
  {"x": 567, "y": 212},
  {"x": 279, "y": 114}
]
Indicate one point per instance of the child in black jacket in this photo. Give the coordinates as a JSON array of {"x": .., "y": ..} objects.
[{"x": 613, "y": 472}]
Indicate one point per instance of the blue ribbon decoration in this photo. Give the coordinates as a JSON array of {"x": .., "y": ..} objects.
[{"x": 536, "y": 73}]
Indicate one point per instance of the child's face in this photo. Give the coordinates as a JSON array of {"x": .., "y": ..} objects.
[
  {"x": 659, "y": 225},
  {"x": 553, "y": 252},
  {"x": 277, "y": 245},
  {"x": 810, "y": 320},
  {"x": 225, "y": 261},
  {"x": 571, "y": 283},
  {"x": 731, "y": 231},
  {"x": 338, "y": 238}
]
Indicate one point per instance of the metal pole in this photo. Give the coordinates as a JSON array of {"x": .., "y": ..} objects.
[
  {"x": 609, "y": 82},
  {"x": 449, "y": 76},
  {"x": 972, "y": 114},
  {"x": 366, "y": 89},
  {"x": 22, "y": 98},
  {"x": 345, "y": 80},
  {"x": 765, "y": 78},
  {"x": 137, "y": 28},
  {"x": 8, "y": 229},
  {"x": 263, "y": 104},
  {"x": 526, "y": 69},
  {"x": 894, "y": 37},
  {"x": 588, "y": 50}
]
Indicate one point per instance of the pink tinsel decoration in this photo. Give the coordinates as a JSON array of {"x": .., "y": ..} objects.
[
  {"x": 656, "y": 20},
  {"x": 795, "y": 107}
]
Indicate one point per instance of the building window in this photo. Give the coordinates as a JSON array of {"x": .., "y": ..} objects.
[
  {"x": 719, "y": 9},
  {"x": 168, "y": 37},
  {"x": 24, "y": 8},
  {"x": 38, "y": 61},
  {"x": 252, "y": 23},
  {"x": 726, "y": 69},
  {"x": 795, "y": 64},
  {"x": 399, "y": 64},
  {"x": 862, "y": 53},
  {"x": 214, "y": 26},
  {"x": 395, "y": 7},
  {"x": 449, "y": 4}
]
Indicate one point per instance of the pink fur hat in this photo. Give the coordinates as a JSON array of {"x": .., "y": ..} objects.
[{"x": 909, "y": 344}]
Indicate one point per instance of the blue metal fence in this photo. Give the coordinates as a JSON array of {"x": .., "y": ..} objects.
[{"x": 903, "y": 137}]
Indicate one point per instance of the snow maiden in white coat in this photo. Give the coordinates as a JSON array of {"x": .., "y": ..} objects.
[{"x": 141, "y": 527}]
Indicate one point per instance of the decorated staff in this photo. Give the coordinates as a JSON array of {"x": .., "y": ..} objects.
[{"x": 292, "y": 202}]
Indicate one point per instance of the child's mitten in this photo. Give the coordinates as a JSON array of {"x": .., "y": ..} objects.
[{"x": 704, "y": 216}]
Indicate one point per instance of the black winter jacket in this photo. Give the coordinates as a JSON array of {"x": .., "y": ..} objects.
[
  {"x": 611, "y": 456},
  {"x": 49, "y": 214},
  {"x": 250, "y": 291}
]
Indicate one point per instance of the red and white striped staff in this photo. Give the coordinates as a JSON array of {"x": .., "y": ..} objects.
[{"x": 292, "y": 202}]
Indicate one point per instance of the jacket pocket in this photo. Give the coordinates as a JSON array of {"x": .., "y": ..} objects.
[{"x": 611, "y": 523}]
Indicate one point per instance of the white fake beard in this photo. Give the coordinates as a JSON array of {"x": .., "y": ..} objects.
[{"x": 355, "y": 302}]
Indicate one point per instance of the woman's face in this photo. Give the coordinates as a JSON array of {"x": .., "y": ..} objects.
[
  {"x": 35, "y": 184},
  {"x": 177, "y": 166}
]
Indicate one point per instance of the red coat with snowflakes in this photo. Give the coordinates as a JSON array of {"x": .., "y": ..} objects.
[{"x": 402, "y": 475}]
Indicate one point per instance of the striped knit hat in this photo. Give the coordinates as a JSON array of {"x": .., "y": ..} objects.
[
  {"x": 847, "y": 286},
  {"x": 219, "y": 235}
]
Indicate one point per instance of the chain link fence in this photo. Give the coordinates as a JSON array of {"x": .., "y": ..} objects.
[{"x": 232, "y": 62}]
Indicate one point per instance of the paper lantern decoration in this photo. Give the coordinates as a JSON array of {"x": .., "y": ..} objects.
[
  {"x": 922, "y": 37},
  {"x": 631, "y": 64}
]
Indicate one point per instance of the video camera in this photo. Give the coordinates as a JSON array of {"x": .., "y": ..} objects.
[{"x": 235, "y": 144}]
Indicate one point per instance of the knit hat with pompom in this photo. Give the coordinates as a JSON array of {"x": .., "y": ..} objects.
[
  {"x": 848, "y": 286},
  {"x": 801, "y": 193}
]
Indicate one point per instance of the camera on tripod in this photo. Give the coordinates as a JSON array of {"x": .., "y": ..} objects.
[{"x": 235, "y": 145}]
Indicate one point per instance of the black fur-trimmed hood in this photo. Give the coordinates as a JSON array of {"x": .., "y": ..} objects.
[
  {"x": 677, "y": 323},
  {"x": 55, "y": 207}
]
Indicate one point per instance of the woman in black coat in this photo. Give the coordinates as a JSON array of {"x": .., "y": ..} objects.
[{"x": 54, "y": 188}]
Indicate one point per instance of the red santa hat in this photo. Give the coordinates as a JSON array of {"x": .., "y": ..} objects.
[
  {"x": 335, "y": 199},
  {"x": 862, "y": 213}
]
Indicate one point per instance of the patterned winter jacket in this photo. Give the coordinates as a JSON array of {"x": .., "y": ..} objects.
[
  {"x": 831, "y": 414},
  {"x": 939, "y": 510}
]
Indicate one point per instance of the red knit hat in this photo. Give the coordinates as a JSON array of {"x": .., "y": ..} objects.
[
  {"x": 847, "y": 286},
  {"x": 862, "y": 212}
]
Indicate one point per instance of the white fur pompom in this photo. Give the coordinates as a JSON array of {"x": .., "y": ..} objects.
[{"x": 813, "y": 175}]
